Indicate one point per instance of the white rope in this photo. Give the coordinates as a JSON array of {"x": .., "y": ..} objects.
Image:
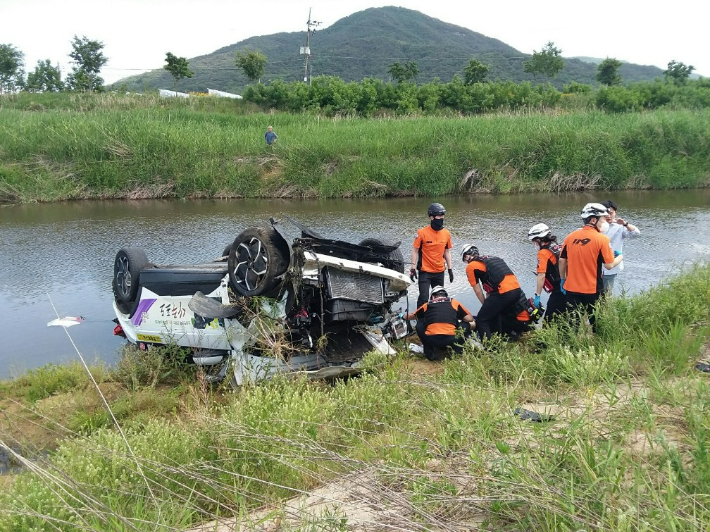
[{"x": 103, "y": 398}]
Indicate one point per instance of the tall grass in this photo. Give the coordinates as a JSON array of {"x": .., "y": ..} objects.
[
  {"x": 418, "y": 446},
  {"x": 140, "y": 146}
]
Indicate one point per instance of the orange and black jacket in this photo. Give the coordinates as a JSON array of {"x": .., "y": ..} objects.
[
  {"x": 548, "y": 263},
  {"x": 441, "y": 316},
  {"x": 494, "y": 273}
]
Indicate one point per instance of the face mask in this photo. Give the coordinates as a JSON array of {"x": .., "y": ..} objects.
[
  {"x": 603, "y": 226},
  {"x": 437, "y": 224}
]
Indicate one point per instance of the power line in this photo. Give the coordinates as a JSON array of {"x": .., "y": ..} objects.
[{"x": 306, "y": 50}]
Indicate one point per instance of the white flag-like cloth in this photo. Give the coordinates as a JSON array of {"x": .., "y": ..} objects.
[{"x": 67, "y": 321}]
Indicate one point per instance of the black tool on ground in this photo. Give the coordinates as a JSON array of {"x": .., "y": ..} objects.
[
  {"x": 529, "y": 415},
  {"x": 703, "y": 366}
]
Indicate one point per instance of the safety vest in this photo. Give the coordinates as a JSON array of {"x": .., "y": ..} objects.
[
  {"x": 496, "y": 270},
  {"x": 440, "y": 311},
  {"x": 552, "y": 274}
]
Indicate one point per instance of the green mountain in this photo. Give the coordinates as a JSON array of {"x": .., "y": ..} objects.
[{"x": 365, "y": 44}]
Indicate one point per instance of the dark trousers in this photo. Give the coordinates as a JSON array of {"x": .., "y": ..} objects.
[
  {"x": 512, "y": 327},
  {"x": 490, "y": 317},
  {"x": 432, "y": 342},
  {"x": 557, "y": 304},
  {"x": 584, "y": 303},
  {"x": 427, "y": 281}
]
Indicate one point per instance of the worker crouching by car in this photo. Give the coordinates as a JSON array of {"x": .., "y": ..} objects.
[
  {"x": 442, "y": 322},
  {"x": 501, "y": 286}
]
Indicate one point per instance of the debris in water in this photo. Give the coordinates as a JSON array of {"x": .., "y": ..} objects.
[{"x": 67, "y": 321}]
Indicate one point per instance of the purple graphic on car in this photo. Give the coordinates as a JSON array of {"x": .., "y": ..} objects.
[{"x": 143, "y": 307}]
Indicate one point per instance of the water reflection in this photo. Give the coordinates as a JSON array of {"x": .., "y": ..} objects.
[{"x": 65, "y": 251}]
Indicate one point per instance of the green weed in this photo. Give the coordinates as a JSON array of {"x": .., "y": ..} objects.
[
  {"x": 137, "y": 147},
  {"x": 435, "y": 445},
  {"x": 147, "y": 368},
  {"x": 51, "y": 379}
]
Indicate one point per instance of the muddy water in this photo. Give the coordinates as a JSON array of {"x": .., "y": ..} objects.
[{"x": 58, "y": 259}]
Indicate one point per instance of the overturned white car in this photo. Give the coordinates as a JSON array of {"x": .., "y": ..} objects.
[{"x": 267, "y": 305}]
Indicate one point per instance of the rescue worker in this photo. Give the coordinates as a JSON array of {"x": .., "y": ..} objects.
[
  {"x": 583, "y": 254},
  {"x": 441, "y": 322},
  {"x": 431, "y": 253},
  {"x": 502, "y": 290},
  {"x": 548, "y": 273}
]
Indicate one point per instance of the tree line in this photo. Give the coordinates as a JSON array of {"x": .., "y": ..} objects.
[
  {"x": 547, "y": 62},
  {"x": 88, "y": 59},
  {"x": 331, "y": 95}
]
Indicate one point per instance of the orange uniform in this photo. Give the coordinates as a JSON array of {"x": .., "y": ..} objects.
[
  {"x": 585, "y": 250},
  {"x": 509, "y": 282},
  {"x": 441, "y": 327},
  {"x": 543, "y": 257},
  {"x": 431, "y": 245}
]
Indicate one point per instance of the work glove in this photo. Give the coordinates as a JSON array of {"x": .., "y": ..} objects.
[
  {"x": 617, "y": 253},
  {"x": 400, "y": 315},
  {"x": 562, "y": 286},
  {"x": 451, "y": 275},
  {"x": 536, "y": 300},
  {"x": 413, "y": 274}
]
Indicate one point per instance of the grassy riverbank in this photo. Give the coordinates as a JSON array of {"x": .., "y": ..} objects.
[
  {"x": 410, "y": 444},
  {"x": 57, "y": 147}
]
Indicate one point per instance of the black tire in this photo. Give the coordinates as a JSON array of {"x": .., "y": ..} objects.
[
  {"x": 126, "y": 271},
  {"x": 395, "y": 259},
  {"x": 258, "y": 256}
]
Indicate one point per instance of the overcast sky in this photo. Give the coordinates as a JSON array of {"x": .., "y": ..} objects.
[{"x": 138, "y": 33}]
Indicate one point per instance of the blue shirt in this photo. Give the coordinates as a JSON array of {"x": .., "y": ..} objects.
[{"x": 270, "y": 137}]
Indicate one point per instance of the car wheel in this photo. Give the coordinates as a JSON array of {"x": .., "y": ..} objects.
[
  {"x": 395, "y": 259},
  {"x": 258, "y": 256},
  {"x": 126, "y": 269}
]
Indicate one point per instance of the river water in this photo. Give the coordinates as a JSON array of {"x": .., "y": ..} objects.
[{"x": 57, "y": 259}]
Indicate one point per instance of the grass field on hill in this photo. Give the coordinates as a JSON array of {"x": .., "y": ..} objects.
[{"x": 69, "y": 146}]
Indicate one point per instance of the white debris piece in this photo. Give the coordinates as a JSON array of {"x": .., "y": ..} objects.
[
  {"x": 172, "y": 94},
  {"x": 67, "y": 321},
  {"x": 222, "y": 94}
]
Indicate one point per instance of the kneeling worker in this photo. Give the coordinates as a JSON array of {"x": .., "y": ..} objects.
[
  {"x": 441, "y": 322},
  {"x": 501, "y": 286}
]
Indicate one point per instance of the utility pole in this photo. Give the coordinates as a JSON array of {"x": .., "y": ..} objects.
[{"x": 306, "y": 50}]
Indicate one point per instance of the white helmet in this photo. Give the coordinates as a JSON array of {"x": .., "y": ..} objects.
[
  {"x": 438, "y": 291},
  {"x": 538, "y": 231},
  {"x": 594, "y": 209},
  {"x": 468, "y": 249}
]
